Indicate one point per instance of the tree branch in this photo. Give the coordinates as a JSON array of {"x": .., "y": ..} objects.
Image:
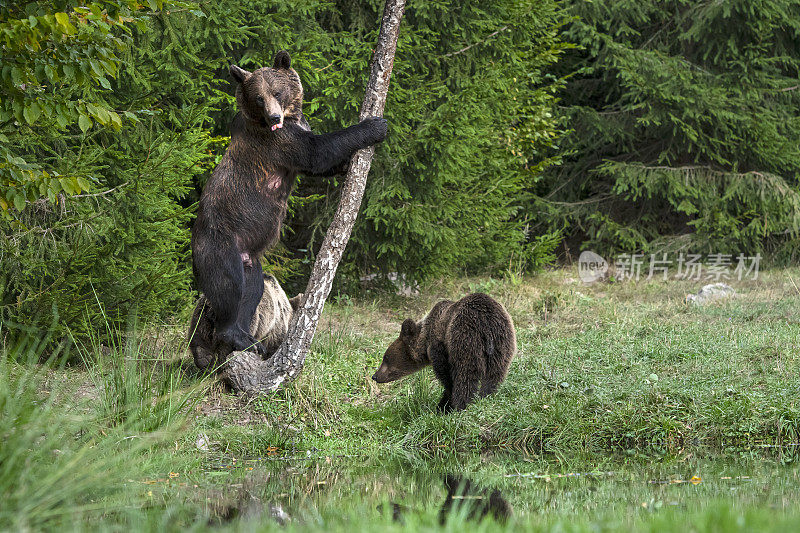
[{"x": 451, "y": 54}]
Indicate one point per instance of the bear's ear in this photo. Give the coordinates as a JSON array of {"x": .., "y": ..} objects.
[
  {"x": 409, "y": 328},
  {"x": 239, "y": 74},
  {"x": 296, "y": 301},
  {"x": 282, "y": 60}
]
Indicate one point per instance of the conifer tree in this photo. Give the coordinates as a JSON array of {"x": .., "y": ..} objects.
[
  {"x": 684, "y": 124},
  {"x": 104, "y": 116}
]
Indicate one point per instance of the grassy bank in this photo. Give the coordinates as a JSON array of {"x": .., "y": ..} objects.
[
  {"x": 611, "y": 379},
  {"x": 625, "y": 367}
]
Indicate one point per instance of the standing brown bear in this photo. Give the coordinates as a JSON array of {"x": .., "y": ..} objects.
[
  {"x": 244, "y": 202},
  {"x": 469, "y": 343}
]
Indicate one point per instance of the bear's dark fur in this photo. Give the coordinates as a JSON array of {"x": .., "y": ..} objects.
[
  {"x": 469, "y": 343},
  {"x": 269, "y": 324},
  {"x": 244, "y": 201}
]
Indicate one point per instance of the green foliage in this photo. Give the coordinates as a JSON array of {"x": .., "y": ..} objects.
[
  {"x": 600, "y": 369},
  {"x": 623, "y": 406},
  {"x": 136, "y": 386},
  {"x": 61, "y": 465},
  {"x": 469, "y": 121},
  {"x": 470, "y": 125},
  {"x": 113, "y": 114},
  {"x": 684, "y": 124},
  {"x": 96, "y": 208},
  {"x": 54, "y": 67}
]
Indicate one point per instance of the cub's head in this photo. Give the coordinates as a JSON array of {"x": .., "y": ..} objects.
[
  {"x": 268, "y": 96},
  {"x": 402, "y": 358}
]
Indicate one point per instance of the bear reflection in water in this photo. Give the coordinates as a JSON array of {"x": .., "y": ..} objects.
[
  {"x": 475, "y": 502},
  {"x": 465, "y": 499}
]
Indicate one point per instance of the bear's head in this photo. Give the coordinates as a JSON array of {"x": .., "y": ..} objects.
[
  {"x": 268, "y": 96},
  {"x": 402, "y": 357}
]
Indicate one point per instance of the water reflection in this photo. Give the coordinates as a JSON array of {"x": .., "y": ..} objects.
[
  {"x": 243, "y": 502},
  {"x": 427, "y": 489},
  {"x": 466, "y": 498},
  {"x": 398, "y": 511}
]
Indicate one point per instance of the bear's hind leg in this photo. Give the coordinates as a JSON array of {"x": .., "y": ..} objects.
[
  {"x": 498, "y": 357},
  {"x": 252, "y": 290},
  {"x": 220, "y": 275},
  {"x": 201, "y": 335},
  {"x": 464, "y": 389},
  {"x": 495, "y": 370},
  {"x": 489, "y": 386},
  {"x": 468, "y": 370}
]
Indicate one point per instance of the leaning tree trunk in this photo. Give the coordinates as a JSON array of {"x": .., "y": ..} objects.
[{"x": 245, "y": 371}]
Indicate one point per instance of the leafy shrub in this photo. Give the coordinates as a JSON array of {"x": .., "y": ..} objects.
[{"x": 96, "y": 176}]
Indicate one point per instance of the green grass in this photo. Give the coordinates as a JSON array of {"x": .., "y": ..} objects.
[
  {"x": 63, "y": 461},
  {"x": 610, "y": 377},
  {"x": 601, "y": 368}
]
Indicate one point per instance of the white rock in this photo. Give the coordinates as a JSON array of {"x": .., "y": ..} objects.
[
  {"x": 709, "y": 293},
  {"x": 591, "y": 267},
  {"x": 203, "y": 443}
]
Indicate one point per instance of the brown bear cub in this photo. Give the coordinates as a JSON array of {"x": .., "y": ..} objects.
[
  {"x": 245, "y": 199},
  {"x": 469, "y": 344},
  {"x": 269, "y": 324}
]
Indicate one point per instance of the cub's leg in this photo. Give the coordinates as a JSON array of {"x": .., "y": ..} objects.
[
  {"x": 468, "y": 369},
  {"x": 437, "y": 353},
  {"x": 496, "y": 368}
]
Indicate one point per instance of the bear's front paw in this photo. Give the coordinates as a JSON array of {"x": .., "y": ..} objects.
[{"x": 377, "y": 127}]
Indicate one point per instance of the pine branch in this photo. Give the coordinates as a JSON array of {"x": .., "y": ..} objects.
[{"x": 451, "y": 54}]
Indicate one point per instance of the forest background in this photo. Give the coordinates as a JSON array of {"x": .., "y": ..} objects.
[{"x": 521, "y": 133}]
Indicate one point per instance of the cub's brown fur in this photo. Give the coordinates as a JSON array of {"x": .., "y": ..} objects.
[
  {"x": 469, "y": 343},
  {"x": 269, "y": 324}
]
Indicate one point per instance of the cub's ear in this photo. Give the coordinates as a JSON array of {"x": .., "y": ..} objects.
[
  {"x": 239, "y": 74},
  {"x": 409, "y": 328},
  {"x": 296, "y": 301},
  {"x": 282, "y": 60}
]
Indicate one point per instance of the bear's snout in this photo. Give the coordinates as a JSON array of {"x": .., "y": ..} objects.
[
  {"x": 380, "y": 376},
  {"x": 275, "y": 121}
]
